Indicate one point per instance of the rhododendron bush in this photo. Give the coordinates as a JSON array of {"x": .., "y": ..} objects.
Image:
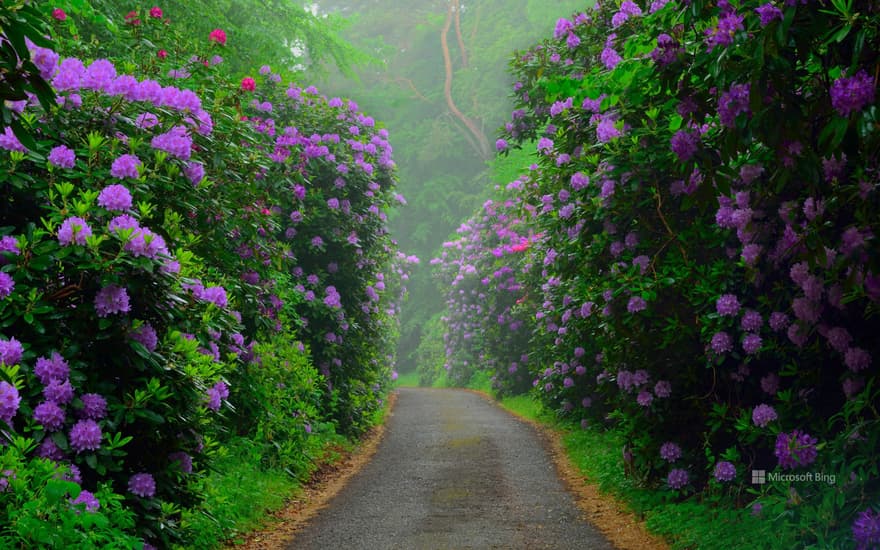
[
  {"x": 168, "y": 228},
  {"x": 706, "y": 277}
]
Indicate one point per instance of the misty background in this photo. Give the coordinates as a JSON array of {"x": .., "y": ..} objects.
[{"x": 445, "y": 151}]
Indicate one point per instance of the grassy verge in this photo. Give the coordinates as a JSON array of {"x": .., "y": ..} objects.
[
  {"x": 690, "y": 524},
  {"x": 407, "y": 380},
  {"x": 241, "y": 494}
]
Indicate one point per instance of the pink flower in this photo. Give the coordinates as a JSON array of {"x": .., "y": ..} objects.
[
  {"x": 156, "y": 12},
  {"x": 248, "y": 84},
  {"x": 162, "y": 54},
  {"x": 131, "y": 18},
  {"x": 59, "y": 14},
  {"x": 218, "y": 36}
]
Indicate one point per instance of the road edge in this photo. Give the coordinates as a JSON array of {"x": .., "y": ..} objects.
[
  {"x": 315, "y": 495},
  {"x": 611, "y": 516}
]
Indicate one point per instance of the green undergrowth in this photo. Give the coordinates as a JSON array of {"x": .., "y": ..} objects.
[
  {"x": 242, "y": 492},
  {"x": 691, "y": 524},
  {"x": 407, "y": 380}
]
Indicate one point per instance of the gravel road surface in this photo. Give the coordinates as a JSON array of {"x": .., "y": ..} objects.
[{"x": 453, "y": 472}]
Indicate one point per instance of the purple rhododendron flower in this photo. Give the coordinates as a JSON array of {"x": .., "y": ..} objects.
[
  {"x": 751, "y": 343},
  {"x": 50, "y": 415},
  {"x": 9, "y": 400},
  {"x": 725, "y": 471},
  {"x": 795, "y": 449},
  {"x": 88, "y": 499},
  {"x": 115, "y": 197},
  {"x": 677, "y": 478},
  {"x": 10, "y": 352},
  {"x": 185, "y": 460},
  {"x": 125, "y": 166},
  {"x": 852, "y": 94},
  {"x": 194, "y": 172},
  {"x": 146, "y": 336},
  {"x": 112, "y": 299},
  {"x": 684, "y": 144},
  {"x": 866, "y": 530},
  {"x": 59, "y": 391},
  {"x": 7, "y": 285},
  {"x": 610, "y": 58},
  {"x": 94, "y": 406},
  {"x": 732, "y": 103},
  {"x": 768, "y": 13},
  {"x": 74, "y": 230},
  {"x": 727, "y": 305},
  {"x": 62, "y": 157},
  {"x": 176, "y": 141},
  {"x": 142, "y": 485},
  {"x": 51, "y": 368},
  {"x": 636, "y": 304},
  {"x": 85, "y": 436},
  {"x": 721, "y": 342},
  {"x": 670, "y": 452}
]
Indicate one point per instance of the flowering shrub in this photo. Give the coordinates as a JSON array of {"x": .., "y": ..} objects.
[
  {"x": 706, "y": 196},
  {"x": 157, "y": 238},
  {"x": 487, "y": 323}
]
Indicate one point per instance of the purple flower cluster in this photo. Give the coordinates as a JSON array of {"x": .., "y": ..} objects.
[
  {"x": 112, "y": 299},
  {"x": 9, "y": 400},
  {"x": 667, "y": 51},
  {"x": 852, "y": 94},
  {"x": 763, "y": 414},
  {"x": 85, "y": 435},
  {"x": 768, "y": 13},
  {"x": 636, "y": 304},
  {"x": 125, "y": 166},
  {"x": 795, "y": 449},
  {"x": 670, "y": 452},
  {"x": 142, "y": 485},
  {"x": 677, "y": 478},
  {"x": 216, "y": 394},
  {"x": 185, "y": 460},
  {"x": 685, "y": 144},
  {"x": 62, "y": 157},
  {"x": 9, "y": 142},
  {"x": 94, "y": 406},
  {"x": 725, "y": 471},
  {"x": 10, "y": 351},
  {"x": 176, "y": 141},
  {"x": 50, "y": 415},
  {"x": 7, "y": 285},
  {"x": 732, "y": 103},
  {"x": 88, "y": 499},
  {"x": 115, "y": 197},
  {"x": 721, "y": 342},
  {"x": 332, "y": 298},
  {"x": 866, "y": 530},
  {"x": 74, "y": 230},
  {"x": 146, "y": 336},
  {"x": 729, "y": 23}
]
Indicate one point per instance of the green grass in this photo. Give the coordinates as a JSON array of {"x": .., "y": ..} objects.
[
  {"x": 407, "y": 380},
  {"x": 686, "y": 525},
  {"x": 480, "y": 381},
  {"x": 441, "y": 381},
  {"x": 238, "y": 495},
  {"x": 525, "y": 406}
]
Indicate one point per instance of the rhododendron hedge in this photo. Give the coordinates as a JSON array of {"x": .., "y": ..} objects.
[
  {"x": 705, "y": 275},
  {"x": 168, "y": 229}
]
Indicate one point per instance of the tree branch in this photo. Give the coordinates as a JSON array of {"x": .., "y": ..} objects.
[
  {"x": 457, "y": 7},
  {"x": 483, "y": 150}
]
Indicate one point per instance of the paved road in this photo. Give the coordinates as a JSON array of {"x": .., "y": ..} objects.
[{"x": 453, "y": 472}]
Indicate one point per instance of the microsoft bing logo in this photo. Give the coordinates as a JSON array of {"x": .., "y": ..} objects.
[{"x": 759, "y": 477}]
